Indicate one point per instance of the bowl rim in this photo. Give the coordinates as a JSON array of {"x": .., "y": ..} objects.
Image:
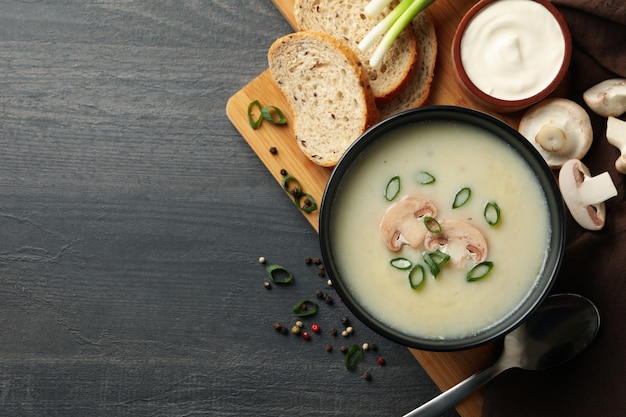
[
  {"x": 519, "y": 144},
  {"x": 465, "y": 80}
]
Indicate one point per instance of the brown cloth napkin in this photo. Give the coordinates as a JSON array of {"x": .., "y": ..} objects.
[{"x": 594, "y": 265}]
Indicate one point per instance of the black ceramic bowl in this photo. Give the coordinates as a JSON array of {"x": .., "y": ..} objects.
[{"x": 521, "y": 146}]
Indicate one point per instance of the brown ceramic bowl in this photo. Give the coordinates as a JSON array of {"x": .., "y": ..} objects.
[{"x": 492, "y": 102}]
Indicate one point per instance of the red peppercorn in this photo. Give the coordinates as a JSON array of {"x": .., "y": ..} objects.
[
  {"x": 306, "y": 335},
  {"x": 381, "y": 361},
  {"x": 315, "y": 328}
]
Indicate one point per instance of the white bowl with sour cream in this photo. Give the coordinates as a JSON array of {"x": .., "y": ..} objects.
[
  {"x": 394, "y": 209},
  {"x": 510, "y": 54}
]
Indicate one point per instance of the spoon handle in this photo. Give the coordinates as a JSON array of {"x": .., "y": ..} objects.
[{"x": 448, "y": 399}]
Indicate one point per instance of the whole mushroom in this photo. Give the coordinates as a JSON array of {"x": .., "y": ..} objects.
[
  {"x": 460, "y": 240},
  {"x": 585, "y": 195},
  {"x": 616, "y": 135},
  {"x": 560, "y": 129},
  {"x": 607, "y": 98},
  {"x": 403, "y": 222}
]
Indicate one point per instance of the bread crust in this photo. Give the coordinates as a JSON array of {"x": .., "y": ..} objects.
[{"x": 302, "y": 65}]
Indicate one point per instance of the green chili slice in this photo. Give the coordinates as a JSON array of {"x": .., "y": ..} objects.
[
  {"x": 278, "y": 274},
  {"x": 305, "y": 202},
  {"x": 401, "y": 263},
  {"x": 268, "y": 112},
  {"x": 479, "y": 271},
  {"x": 291, "y": 185},
  {"x": 432, "y": 225},
  {"x": 492, "y": 213},
  {"x": 353, "y": 356},
  {"x": 392, "y": 189},
  {"x": 424, "y": 178},
  {"x": 305, "y": 308},
  {"x": 417, "y": 276},
  {"x": 435, "y": 260},
  {"x": 462, "y": 197},
  {"x": 255, "y": 123}
]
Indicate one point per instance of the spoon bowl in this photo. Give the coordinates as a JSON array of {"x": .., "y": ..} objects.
[{"x": 556, "y": 332}]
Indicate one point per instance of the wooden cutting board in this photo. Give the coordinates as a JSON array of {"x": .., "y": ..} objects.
[{"x": 445, "y": 368}]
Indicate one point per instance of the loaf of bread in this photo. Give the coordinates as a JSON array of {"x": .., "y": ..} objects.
[
  {"x": 328, "y": 91},
  {"x": 344, "y": 20},
  {"x": 417, "y": 91}
]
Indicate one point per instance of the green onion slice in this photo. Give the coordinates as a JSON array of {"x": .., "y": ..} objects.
[
  {"x": 353, "y": 356},
  {"x": 401, "y": 263},
  {"x": 392, "y": 189},
  {"x": 432, "y": 225},
  {"x": 424, "y": 177},
  {"x": 305, "y": 308},
  {"x": 435, "y": 260},
  {"x": 268, "y": 113},
  {"x": 417, "y": 276},
  {"x": 462, "y": 197},
  {"x": 278, "y": 274},
  {"x": 255, "y": 123},
  {"x": 479, "y": 271},
  {"x": 492, "y": 213},
  {"x": 305, "y": 202},
  {"x": 291, "y": 185}
]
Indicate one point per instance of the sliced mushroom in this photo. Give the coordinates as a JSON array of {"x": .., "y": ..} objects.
[
  {"x": 616, "y": 135},
  {"x": 607, "y": 98},
  {"x": 585, "y": 195},
  {"x": 560, "y": 130},
  {"x": 460, "y": 240},
  {"x": 403, "y": 222}
]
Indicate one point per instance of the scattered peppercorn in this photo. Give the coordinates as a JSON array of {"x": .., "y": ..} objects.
[
  {"x": 321, "y": 273},
  {"x": 262, "y": 259},
  {"x": 373, "y": 346},
  {"x": 349, "y": 329},
  {"x": 320, "y": 267},
  {"x": 344, "y": 349},
  {"x": 306, "y": 335},
  {"x": 315, "y": 327},
  {"x": 345, "y": 321},
  {"x": 380, "y": 361},
  {"x": 365, "y": 346},
  {"x": 328, "y": 347},
  {"x": 345, "y": 333},
  {"x": 267, "y": 285},
  {"x": 295, "y": 330},
  {"x": 333, "y": 331},
  {"x": 317, "y": 261},
  {"x": 319, "y": 294},
  {"x": 280, "y": 328},
  {"x": 328, "y": 299},
  {"x": 299, "y": 324},
  {"x": 367, "y": 376},
  {"x": 283, "y": 172},
  {"x": 273, "y": 150},
  {"x": 329, "y": 283},
  {"x": 307, "y": 260}
]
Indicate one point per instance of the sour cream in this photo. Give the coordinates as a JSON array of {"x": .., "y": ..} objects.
[{"x": 512, "y": 49}]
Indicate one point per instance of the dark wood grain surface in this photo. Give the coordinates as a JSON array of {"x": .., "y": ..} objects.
[{"x": 132, "y": 216}]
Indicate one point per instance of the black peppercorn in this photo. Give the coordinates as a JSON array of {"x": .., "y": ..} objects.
[
  {"x": 328, "y": 347},
  {"x": 367, "y": 376},
  {"x": 283, "y": 172},
  {"x": 307, "y": 260},
  {"x": 345, "y": 321},
  {"x": 333, "y": 331},
  {"x": 319, "y": 294},
  {"x": 344, "y": 349},
  {"x": 317, "y": 261},
  {"x": 273, "y": 150}
]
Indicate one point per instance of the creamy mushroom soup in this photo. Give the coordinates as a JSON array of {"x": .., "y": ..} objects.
[{"x": 457, "y": 156}]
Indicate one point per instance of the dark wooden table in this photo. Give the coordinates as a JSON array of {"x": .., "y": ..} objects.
[{"x": 132, "y": 217}]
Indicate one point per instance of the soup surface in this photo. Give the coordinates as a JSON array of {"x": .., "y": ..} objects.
[{"x": 458, "y": 156}]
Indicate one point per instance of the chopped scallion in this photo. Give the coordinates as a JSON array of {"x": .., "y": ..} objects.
[
  {"x": 392, "y": 189},
  {"x": 432, "y": 225},
  {"x": 462, "y": 197},
  {"x": 353, "y": 356},
  {"x": 305, "y": 308},
  {"x": 401, "y": 263},
  {"x": 435, "y": 260},
  {"x": 268, "y": 112},
  {"x": 291, "y": 185},
  {"x": 417, "y": 276},
  {"x": 255, "y": 123},
  {"x": 305, "y": 202},
  {"x": 424, "y": 178},
  {"x": 278, "y": 274},
  {"x": 479, "y": 271},
  {"x": 492, "y": 213}
]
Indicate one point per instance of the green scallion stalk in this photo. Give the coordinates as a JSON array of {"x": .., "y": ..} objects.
[
  {"x": 396, "y": 29},
  {"x": 383, "y": 26},
  {"x": 392, "y": 189},
  {"x": 375, "y": 7},
  {"x": 417, "y": 276},
  {"x": 479, "y": 271},
  {"x": 400, "y": 263}
]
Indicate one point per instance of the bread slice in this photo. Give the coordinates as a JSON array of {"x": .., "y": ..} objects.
[
  {"x": 344, "y": 20},
  {"x": 418, "y": 90},
  {"x": 328, "y": 92}
]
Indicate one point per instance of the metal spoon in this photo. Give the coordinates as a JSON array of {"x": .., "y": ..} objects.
[{"x": 556, "y": 332}]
